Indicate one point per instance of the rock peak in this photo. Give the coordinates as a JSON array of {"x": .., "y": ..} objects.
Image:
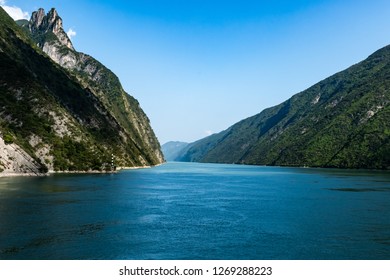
[
  {"x": 37, "y": 19},
  {"x": 41, "y": 24}
]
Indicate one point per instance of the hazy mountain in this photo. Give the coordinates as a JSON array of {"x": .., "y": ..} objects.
[
  {"x": 171, "y": 150},
  {"x": 342, "y": 121},
  {"x": 63, "y": 110}
]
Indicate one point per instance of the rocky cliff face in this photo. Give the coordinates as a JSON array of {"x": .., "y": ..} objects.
[
  {"x": 47, "y": 31},
  {"x": 14, "y": 160},
  {"x": 62, "y": 117},
  {"x": 41, "y": 24}
]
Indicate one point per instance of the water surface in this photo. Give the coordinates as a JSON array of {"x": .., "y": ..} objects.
[{"x": 198, "y": 211}]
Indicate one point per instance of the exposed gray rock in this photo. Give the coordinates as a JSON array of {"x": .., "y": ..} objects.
[
  {"x": 14, "y": 160},
  {"x": 42, "y": 24},
  {"x": 67, "y": 60}
]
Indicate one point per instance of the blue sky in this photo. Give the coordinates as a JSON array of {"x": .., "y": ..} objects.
[{"x": 197, "y": 67}]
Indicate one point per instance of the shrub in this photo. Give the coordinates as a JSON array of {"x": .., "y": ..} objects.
[{"x": 8, "y": 138}]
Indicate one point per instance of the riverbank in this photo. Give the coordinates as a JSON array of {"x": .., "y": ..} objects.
[
  {"x": 6, "y": 174},
  {"x": 15, "y": 174}
]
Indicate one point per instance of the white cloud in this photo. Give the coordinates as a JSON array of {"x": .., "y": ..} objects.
[
  {"x": 71, "y": 33},
  {"x": 15, "y": 12}
]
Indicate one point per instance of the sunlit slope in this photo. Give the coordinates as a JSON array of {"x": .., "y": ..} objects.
[{"x": 342, "y": 121}]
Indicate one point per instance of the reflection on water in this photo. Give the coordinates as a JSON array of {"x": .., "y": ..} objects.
[{"x": 198, "y": 211}]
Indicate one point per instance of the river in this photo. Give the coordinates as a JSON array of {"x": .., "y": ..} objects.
[{"x": 198, "y": 211}]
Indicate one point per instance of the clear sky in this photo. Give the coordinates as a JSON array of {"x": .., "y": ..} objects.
[{"x": 198, "y": 67}]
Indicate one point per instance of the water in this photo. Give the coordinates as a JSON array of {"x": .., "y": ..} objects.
[{"x": 198, "y": 211}]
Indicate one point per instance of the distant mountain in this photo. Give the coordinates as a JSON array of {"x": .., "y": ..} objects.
[
  {"x": 63, "y": 110},
  {"x": 342, "y": 121},
  {"x": 171, "y": 150}
]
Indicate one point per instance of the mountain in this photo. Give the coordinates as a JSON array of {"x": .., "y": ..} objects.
[
  {"x": 63, "y": 110},
  {"x": 171, "y": 150},
  {"x": 342, "y": 121},
  {"x": 95, "y": 76}
]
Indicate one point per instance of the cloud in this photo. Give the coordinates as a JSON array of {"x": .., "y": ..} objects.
[
  {"x": 15, "y": 12},
  {"x": 71, "y": 33}
]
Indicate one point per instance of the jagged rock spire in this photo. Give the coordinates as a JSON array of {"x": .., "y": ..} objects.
[
  {"x": 52, "y": 22},
  {"x": 37, "y": 19}
]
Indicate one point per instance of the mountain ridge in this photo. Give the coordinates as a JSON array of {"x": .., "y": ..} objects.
[
  {"x": 340, "y": 122},
  {"x": 172, "y": 149}
]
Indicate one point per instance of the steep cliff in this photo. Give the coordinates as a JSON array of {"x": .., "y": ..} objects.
[
  {"x": 47, "y": 31},
  {"x": 61, "y": 119}
]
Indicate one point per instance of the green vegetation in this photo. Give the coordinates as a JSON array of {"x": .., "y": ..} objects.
[
  {"x": 343, "y": 122},
  {"x": 8, "y": 138},
  {"x": 72, "y": 155},
  {"x": 124, "y": 107},
  {"x": 43, "y": 105}
]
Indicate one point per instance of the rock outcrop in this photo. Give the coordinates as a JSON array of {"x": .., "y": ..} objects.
[
  {"x": 41, "y": 24},
  {"x": 14, "y": 160}
]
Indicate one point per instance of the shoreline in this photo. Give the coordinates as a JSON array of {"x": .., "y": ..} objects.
[
  {"x": 52, "y": 172},
  {"x": 122, "y": 168},
  {"x": 14, "y": 174}
]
